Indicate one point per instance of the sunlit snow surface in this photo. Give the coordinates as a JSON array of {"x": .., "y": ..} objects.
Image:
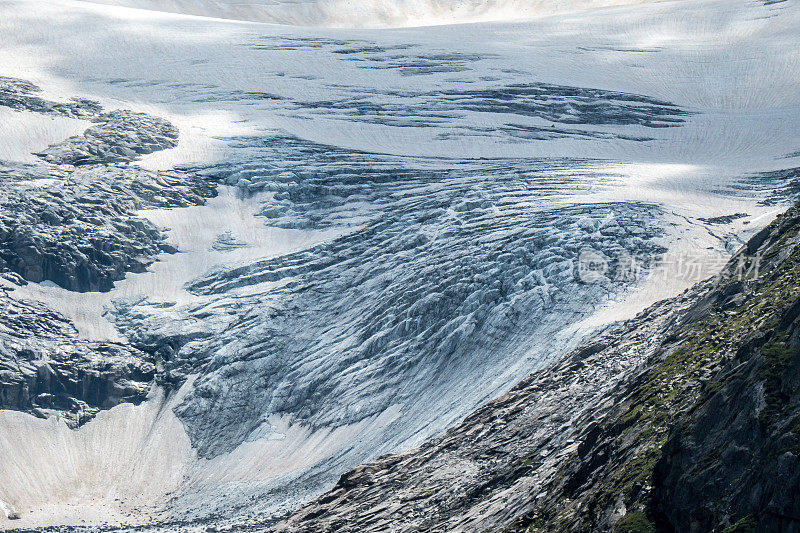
[{"x": 401, "y": 213}]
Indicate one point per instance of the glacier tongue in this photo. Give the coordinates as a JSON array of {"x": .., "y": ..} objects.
[
  {"x": 447, "y": 274},
  {"x": 315, "y": 246}
]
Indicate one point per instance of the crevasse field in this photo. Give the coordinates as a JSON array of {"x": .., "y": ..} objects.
[{"x": 399, "y": 200}]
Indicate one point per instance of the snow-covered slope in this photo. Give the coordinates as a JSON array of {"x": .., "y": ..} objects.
[
  {"x": 371, "y": 13},
  {"x": 358, "y": 235}
]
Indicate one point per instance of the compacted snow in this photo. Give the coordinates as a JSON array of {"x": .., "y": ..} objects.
[
  {"x": 370, "y": 13},
  {"x": 402, "y": 218}
]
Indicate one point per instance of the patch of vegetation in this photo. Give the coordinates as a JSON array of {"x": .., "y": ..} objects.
[
  {"x": 708, "y": 460},
  {"x": 794, "y": 426},
  {"x": 781, "y": 242},
  {"x": 746, "y": 524},
  {"x": 675, "y": 381},
  {"x": 636, "y": 522},
  {"x": 536, "y": 525},
  {"x": 637, "y": 473},
  {"x": 777, "y": 357}
]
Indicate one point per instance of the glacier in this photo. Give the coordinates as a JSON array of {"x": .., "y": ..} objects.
[{"x": 247, "y": 247}]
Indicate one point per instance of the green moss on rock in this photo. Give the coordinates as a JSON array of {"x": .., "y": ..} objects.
[{"x": 635, "y": 522}]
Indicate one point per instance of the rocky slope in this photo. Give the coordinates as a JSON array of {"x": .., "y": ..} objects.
[{"x": 684, "y": 418}]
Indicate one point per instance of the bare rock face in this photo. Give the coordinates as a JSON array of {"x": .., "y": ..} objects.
[{"x": 736, "y": 459}]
